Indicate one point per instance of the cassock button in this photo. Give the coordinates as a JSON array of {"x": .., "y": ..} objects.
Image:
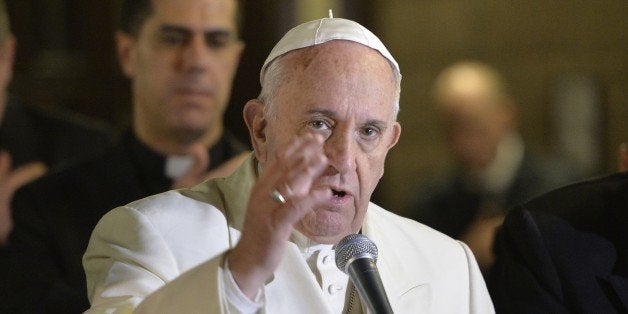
[
  {"x": 327, "y": 259},
  {"x": 333, "y": 289}
]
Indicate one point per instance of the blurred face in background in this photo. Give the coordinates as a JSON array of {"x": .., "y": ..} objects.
[
  {"x": 182, "y": 65},
  {"x": 475, "y": 117}
]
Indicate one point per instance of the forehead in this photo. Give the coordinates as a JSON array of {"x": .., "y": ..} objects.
[
  {"x": 339, "y": 72},
  {"x": 195, "y": 14}
]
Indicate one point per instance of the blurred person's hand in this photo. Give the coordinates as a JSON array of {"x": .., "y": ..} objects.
[
  {"x": 10, "y": 181},
  {"x": 269, "y": 221},
  {"x": 480, "y": 238},
  {"x": 197, "y": 172}
]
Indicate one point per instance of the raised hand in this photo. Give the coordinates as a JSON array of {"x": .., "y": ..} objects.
[
  {"x": 10, "y": 181},
  {"x": 270, "y": 220}
]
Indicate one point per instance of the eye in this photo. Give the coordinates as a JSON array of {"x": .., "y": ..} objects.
[
  {"x": 173, "y": 38},
  {"x": 217, "y": 39},
  {"x": 319, "y": 124},
  {"x": 370, "y": 132}
]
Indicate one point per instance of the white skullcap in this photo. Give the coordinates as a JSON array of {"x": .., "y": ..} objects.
[{"x": 321, "y": 31}]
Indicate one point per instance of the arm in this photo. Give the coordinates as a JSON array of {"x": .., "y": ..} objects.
[
  {"x": 10, "y": 181},
  {"x": 129, "y": 258},
  {"x": 268, "y": 223}
]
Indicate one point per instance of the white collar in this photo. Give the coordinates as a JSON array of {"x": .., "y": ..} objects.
[
  {"x": 177, "y": 165},
  {"x": 501, "y": 172}
]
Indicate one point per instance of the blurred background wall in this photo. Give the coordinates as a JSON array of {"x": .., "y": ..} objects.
[{"x": 566, "y": 61}]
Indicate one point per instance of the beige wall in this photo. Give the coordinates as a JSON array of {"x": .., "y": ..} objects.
[{"x": 532, "y": 42}]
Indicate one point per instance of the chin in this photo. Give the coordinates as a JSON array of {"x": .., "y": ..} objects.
[
  {"x": 326, "y": 227},
  {"x": 189, "y": 134}
]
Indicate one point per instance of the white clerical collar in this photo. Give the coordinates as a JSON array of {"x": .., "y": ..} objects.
[
  {"x": 177, "y": 165},
  {"x": 307, "y": 246},
  {"x": 499, "y": 175}
]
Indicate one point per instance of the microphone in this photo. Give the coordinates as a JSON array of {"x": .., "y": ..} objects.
[{"x": 356, "y": 256}]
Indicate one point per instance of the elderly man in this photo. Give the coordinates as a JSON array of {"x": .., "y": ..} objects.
[
  {"x": 261, "y": 239},
  {"x": 181, "y": 57}
]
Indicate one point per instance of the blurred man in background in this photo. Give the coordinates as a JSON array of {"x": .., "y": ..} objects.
[
  {"x": 181, "y": 57},
  {"x": 33, "y": 140},
  {"x": 493, "y": 168}
]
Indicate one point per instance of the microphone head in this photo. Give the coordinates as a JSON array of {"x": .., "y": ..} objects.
[{"x": 352, "y": 247}]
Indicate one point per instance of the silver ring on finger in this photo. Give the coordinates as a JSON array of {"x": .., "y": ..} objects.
[{"x": 276, "y": 196}]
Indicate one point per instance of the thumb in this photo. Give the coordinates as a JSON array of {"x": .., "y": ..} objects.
[{"x": 25, "y": 174}]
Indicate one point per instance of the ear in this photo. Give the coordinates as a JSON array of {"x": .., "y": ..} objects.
[
  {"x": 256, "y": 122},
  {"x": 396, "y": 134},
  {"x": 7, "y": 56},
  {"x": 125, "y": 45}
]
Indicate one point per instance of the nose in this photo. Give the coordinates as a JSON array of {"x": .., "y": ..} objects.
[
  {"x": 195, "y": 56},
  {"x": 340, "y": 149}
]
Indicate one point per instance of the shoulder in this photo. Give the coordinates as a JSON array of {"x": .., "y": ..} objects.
[
  {"x": 88, "y": 171},
  {"x": 177, "y": 207},
  {"x": 89, "y": 186},
  {"x": 578, "y": 202},
  {"x": 182, "y": 223},
  {"x": 64, "y": 121},
  {"x": 411, "y": 234},
  {"x": 415, "y": 255}
]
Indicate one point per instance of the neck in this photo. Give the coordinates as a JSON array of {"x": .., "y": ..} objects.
[{"x": 173, "y": 143}]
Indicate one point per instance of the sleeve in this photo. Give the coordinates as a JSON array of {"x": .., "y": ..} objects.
[
  {"x": 236, "y": 300},
  {"x": 479, "y": 299},
  {"x": 131, "y": 268}
]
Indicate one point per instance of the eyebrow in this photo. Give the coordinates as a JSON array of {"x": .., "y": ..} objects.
[
  {"x": 169, "y": 28},
  {"x": 326, "y": 112}
]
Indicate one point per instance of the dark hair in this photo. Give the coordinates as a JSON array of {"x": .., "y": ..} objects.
[
  {"x": 133, "y": 15},
  {"x": 135, "y": 12}
]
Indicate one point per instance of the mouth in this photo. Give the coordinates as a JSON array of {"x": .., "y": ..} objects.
[
  {"x": 194, "y": 92},
  {"x": 339, "y": 196}
]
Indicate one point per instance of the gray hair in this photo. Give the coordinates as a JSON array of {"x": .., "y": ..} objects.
[{"x": 275, "y": 75}]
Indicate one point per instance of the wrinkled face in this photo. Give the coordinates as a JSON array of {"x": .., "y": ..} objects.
[
  {"x": 345, "y": 92},
  {"x": 182, "y": 65}
]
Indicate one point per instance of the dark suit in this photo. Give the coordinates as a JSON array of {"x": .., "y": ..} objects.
[
  {"x": 33, "y": 134},
  {"x": 450, "y": 206},
  {"x": 54, "y": 218},
  {"x": 566, "y": 251}
]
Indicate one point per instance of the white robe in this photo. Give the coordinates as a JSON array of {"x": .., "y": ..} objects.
[{"x": 165, "y": 253}]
